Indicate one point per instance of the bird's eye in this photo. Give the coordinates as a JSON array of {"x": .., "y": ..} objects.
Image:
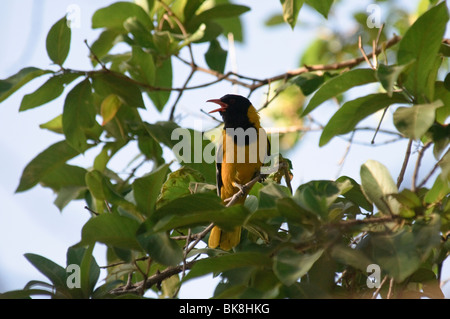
[{"x": 232, "y": 101}]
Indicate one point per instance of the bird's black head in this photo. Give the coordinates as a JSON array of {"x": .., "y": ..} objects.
[{"x": 234, "y": 110}]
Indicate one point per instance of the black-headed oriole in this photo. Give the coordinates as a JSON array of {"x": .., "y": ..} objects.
[{"x": 239, "y": 157}]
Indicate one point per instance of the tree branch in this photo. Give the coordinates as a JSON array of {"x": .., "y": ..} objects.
[{"x": 152, "y": 280}]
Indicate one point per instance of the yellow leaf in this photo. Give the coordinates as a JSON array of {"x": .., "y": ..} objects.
[{"x": 109, "y": 108}]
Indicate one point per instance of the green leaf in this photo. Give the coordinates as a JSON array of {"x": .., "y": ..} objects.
[
  {"x": 317, "y": 196},
  {"x": 151, "y": 149},
  {"x": 295, "y": 214},
  {"x": 388, "y": 75},
  {"x": 44, "y": 163},
  {"x": 188, "y": 146},
  {"x": 290, "y": 265},
  {"x": 13, "y": 83},
  {"x": 54, "y": 125},
  {"x": 291, "y": 8},
  {"x": 196, "y": 36},
  {"x": 228, "y": 25},
  {"x": 165, "y": 43},
  {"x": 354, "y": 193},
  {"x": 216, "y": 57},
  {"x": 441, "y": 93},
  {"x": 438, "y": 191},
  {"x": 352, "y": 112},
  {"x": 163, "y": 79},
  {"x": 54, "y": 272},
  {"x": 141, "y": 36},
  {"x": 118, "y": 84},
  {"x": 78, "y": 115},
  {"x": 162, "y": 132},
  {"x": 147, "y": 188},
  {"x": 49, "y": 91},
  {"x": 444, "y": 164},
  {"x": 112, "y": 230},
  {"x": 114, "y": 16},
  {"x": 89, "y": 269},
  {"x": 64, "y": 176},
  {"x": 410, "y": 203},
  {"x": 177, "y": 184},
  {"x": 226, "y": 262},
  {"x": 350, "y": 257},
  {"x": 378, "y": 185},
  {"x": 105, "y": 42},
  {"x": 270, "y": 193},
  {"x": 400, "y": 254},
  {"x": 321, "y": 6},
  {"x": 25, "y": 293},
  {"x": 414, "y": 121},
  {"x": 274, "y": 20},
  {"x": 338, "y": 85},
  {"x": 68, "y": 194},
  {"x": 216, "y": 12},
  {"x": 141, "y": 66},
  {"x": 421, "y": 44},
  {"x": 161, "y": 248},
  {"x": 186, "y": 10},
  {"x": 58, "y": 41},
  {"x": 308, "y": 82},
  {"x": 197, "y": 209},
  {"x": 102, "y": 189}
]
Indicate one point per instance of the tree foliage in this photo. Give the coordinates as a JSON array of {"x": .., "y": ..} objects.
[{"x": 315, "y": 241}]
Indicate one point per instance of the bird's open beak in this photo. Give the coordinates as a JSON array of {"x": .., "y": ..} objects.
[{"x": 223, "y": 106}]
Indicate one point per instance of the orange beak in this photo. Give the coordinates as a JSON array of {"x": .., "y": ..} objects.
[{"x": 223, "y": 106}]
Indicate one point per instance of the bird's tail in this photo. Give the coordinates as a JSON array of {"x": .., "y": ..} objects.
[{"x": 224, "y": 239}]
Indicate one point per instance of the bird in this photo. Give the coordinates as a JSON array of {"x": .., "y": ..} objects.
[{"x": 240, "y": 155}]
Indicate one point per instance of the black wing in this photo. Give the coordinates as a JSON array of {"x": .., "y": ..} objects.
[{"x": 219, "y": 156}]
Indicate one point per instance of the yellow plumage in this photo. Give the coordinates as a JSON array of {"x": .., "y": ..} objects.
[{"x": 239, "y": 167}]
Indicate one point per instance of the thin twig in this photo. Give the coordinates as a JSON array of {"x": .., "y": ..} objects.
[
  {"x": 107, "y": 207},
  {"x": 379, "y": 130},
  {"x": 210, "y": 116},
  {"x": 191, "y": 54},
  {"x": 181, "y": 26},
  {"x": 405, "y": 163},
  {"x": 391, "y": 287},
  {"x": 378, "y": 127},
  {"x": 242, "y": 192},
  {"x": 377, "y": 292},
  {"x": 347, "y": 151},
  {"x": 361, "y": 48},
  {"x": 123, "y": 262},
  {"x": 185, "y": 253},
  {"x": 180, "y": 93},
  {"x": 425, "y": 180},
  {"x": 94, "y": 56},
  {"x": 290, "y": 129},
  {"x": 375, "y": 46},
  {"x": 416, "y": 168},
  {"x": 199, "y": 237},
  {"x": 90, "y": 210},
  {"x": 183, "y": 270}
]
